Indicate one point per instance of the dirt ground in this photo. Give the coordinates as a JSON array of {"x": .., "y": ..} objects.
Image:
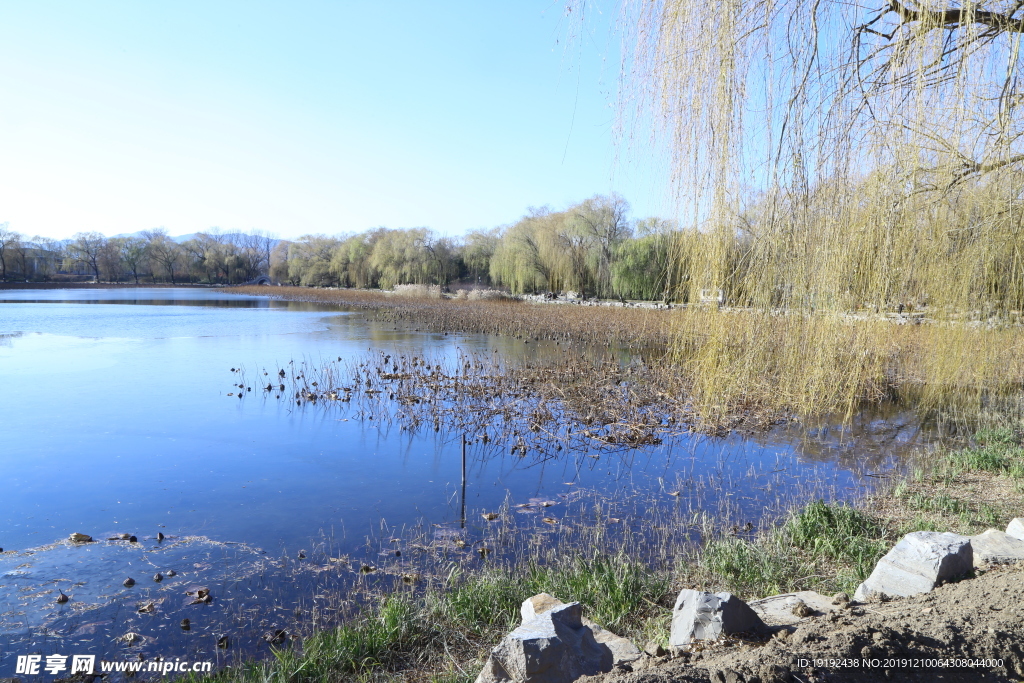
[{"x": 911, "y": 639}]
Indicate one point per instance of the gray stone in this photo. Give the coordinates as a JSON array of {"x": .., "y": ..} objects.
[
  {"x": 778, "y": 610},
  {"x": 917, "y": 564},
  {"x": 996, "y": 547},
  {"x": 555, "y": 644},
  {"x": 1016, "y": 528},
  {"x": 706, "y": 616},
  {"x": 623, "y": 650}
]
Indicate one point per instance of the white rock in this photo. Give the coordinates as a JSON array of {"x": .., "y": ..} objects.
[
  {"x": 917, "y": 564},
  {"x": 706, "y": 616},
  {"x": 1016, "y": 528},
  {"x": 996, "y": 547},
  {"x": 537, "y": 605}
]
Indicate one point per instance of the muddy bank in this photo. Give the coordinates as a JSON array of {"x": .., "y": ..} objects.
[{"x": 911, "y": 639}]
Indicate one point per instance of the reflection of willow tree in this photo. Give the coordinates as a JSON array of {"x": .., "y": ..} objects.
[{"x": 840, "y": 157}]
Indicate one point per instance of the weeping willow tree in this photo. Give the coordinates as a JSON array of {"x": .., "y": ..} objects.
[
  {"x": 848, "y": 160},
  {"x": 573, "y": 249}
]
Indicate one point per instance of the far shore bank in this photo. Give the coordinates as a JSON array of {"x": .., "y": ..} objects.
[{"x": 100, "y": 285}]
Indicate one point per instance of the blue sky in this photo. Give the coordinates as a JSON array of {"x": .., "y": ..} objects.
[{"x": 306, "y": 116}]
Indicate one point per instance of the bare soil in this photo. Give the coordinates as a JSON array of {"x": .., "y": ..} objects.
[{"x": 912, "y": 639}]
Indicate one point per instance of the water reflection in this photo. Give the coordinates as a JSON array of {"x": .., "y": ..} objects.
[
  {"x": 117, "y": 416},
  {"x": 130, "y": 402}
]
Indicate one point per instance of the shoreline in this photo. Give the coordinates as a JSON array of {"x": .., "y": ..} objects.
[
  {"x": 100, "y": 285},
  {"x": 444, "y": 630}
]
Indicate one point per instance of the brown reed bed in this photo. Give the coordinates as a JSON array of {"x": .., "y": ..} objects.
[
  {"x": 564, "y": 400},
  {"x": 726, "y": 365},
  {"x": 631, "y": 328}
]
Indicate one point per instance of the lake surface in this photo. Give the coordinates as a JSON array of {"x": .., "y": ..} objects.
[{"x": 115, "y": 417}]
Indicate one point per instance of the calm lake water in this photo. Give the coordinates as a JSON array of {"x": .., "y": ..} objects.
[{"x": 115, "y": 418}]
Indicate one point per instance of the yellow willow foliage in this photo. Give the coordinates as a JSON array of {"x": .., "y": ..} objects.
[
  {"x": 837, "y": 162},
  {"x": 744, "y": 360}
]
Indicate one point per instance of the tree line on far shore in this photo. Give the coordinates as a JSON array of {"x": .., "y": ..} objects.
[
  {"x": 764, "y": 257},
  {"x": 593, "y": 248},
  {"x": 147, "y": 257}
]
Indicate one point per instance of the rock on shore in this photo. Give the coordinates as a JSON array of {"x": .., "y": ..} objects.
[
  {"x": 917, "y": 564},
  {"x": 979, "y": 619},
  {"x": 555, "y": 644}
]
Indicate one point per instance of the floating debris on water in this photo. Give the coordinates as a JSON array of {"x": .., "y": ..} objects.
[{"x": 276, "y": 637}]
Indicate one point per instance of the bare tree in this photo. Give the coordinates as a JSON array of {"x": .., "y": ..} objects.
[
  {"x": 134, "y": 253},
  {"x": 86, "y": 248},
  {"x": 163, "y": 250},
  {"x": 8, "y": 238},
  {"x": 21, "y": 249},
  {"x": 50, "y": 254},
  {"x": 255, "y": 254},
  {"x": 110, "y": 260}
]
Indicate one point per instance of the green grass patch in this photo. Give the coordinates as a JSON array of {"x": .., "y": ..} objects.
[
  {"x": 840, "y": 535},
  {"x": 617, "y": 591},
  {"x": 750, "y": 569},
  {"x": 999, "y": 451},
  {"x": 1000, "y": 436},
  {"x": 939, "y": 502},
  {"x": 444, "y": 630},
  {"x": 821, "y": 546},
  {"x": 997, "y": 459},
  {"x": 378, "y": 640}
]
